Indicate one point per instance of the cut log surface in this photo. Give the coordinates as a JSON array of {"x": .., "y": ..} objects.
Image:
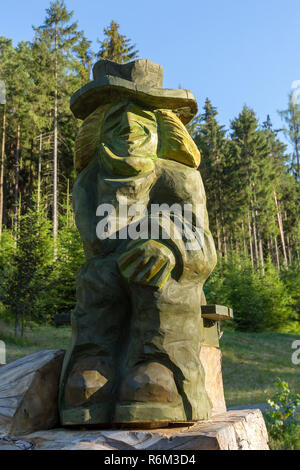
[
  {"x": 28, "y": 392},
  {"x": 29, "y": 416},
  {"x": 216, "y": 312},
  {"x": 233, "y": 430}
]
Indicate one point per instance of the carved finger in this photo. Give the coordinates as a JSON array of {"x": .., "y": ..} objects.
[
  {"x": 161, "y": 277},
  {"x": 129, "y": 269}
]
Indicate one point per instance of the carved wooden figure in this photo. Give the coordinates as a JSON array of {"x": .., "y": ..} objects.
[{"x": 137, "y": 329}]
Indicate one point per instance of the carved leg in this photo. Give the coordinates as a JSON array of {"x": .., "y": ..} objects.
[
  {"x": 89, "y": 379},
  {"x": 163, "y": 378}
]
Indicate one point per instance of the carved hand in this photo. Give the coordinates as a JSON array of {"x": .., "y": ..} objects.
[{"x": 147, "y": 262}]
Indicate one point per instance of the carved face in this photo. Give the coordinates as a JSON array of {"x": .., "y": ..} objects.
[{"x": 129, "y": 138}]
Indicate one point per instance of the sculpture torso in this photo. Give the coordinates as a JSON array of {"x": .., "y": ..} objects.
[{"x": 152, "y": 176}]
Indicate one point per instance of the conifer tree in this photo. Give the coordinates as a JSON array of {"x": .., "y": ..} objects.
[
  {"x": 60, "y": 39},
  {"x": 27, "y": 275},
  {"x": 291, "y": 116},
  {"x": 210, "y": 138},
  {"x": 251, "y": 183},
  {"x": 255, "y": 173},
  {"x": 116, "y": 46}
]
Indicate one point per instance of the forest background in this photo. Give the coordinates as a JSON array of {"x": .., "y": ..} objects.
[{"x": 251, "y": 177}]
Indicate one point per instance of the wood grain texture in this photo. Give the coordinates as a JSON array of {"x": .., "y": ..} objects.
[
  {"x": 28, "y": 392},
  {"x": 211, "y": 359},
  {"x": 234, "y": 430}
]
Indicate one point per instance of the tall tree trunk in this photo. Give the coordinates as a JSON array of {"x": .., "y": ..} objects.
[
  {"x": 297, "y": 157},
  {"x": 16, "y": 328},
  {"x": 258, "y": 233},
  {"x": 2, "y": 169},
  {"x": 223, "y": 244},
  {"x": 55, "y": 215},
  {"x": 277, "y": 253},
  {"x": 23, "y": 320},
  {"x": 17, "y": 176},
  {"x": 269, "y": 251},
  {"x": 288, "y": 241},
  {"x": 231, "y": 242},
  {"x": 237, "y": 248},
  {"x": 19, "y": 212},
  {"x": 68, "y": 202},
  {"x": 18, "y": 301},
  {"x": 39, "y": 173},
  {"x": 250, "y": 240},
  {"x": 225, "y": 241},
  {"x": 289, "y": 249},
  {"x": 254, "y": 232},
  {"x": 31, "y": 170},
  {"x": 218, "y": 236},
  {"x": 260, "y": 246},
  {"x": 244, "y": 240},
  {"x": 280, "y": 225}
]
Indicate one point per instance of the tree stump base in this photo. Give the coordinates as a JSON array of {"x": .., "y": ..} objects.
[{"x": 233, "y": 430}]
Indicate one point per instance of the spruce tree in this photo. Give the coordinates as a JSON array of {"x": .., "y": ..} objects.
[
  {"x": 210, "y": 139},
  {"x": 59, "y": 40},
  {"x": 291, "y": 116},
  {"x": 255, "y": 172},
  {"x": 26, "y": 278},
  {"x": 116, "y": 46}
]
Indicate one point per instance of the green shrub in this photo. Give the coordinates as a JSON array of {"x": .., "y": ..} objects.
[
  {"x": 35, "y": 285},
  {"x": 260, "y": 301},
  {"x": 282, "y": 417},
  {"x": 70, "y": 259},
  {"x": 291, "y": 279}
]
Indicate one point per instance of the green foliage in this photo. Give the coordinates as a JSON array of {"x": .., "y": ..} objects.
[
  {"x": 252, "y": 198},
  {"x": 26, "y": 274},
  {"x": 244, "y": 171},
  {"x": 64, "y": 57},
  {"x": 282, "y": 416},
  {"x": 291, "y": 279},
  {"x": 291, "y": 117},
  {"x": 70, "y": 259},
  {"x": 116, "y": 46},
  {"x": 290, "y": 440},
  {"x": 260, "y": 301},
  {"x": 33, "y": 287}
]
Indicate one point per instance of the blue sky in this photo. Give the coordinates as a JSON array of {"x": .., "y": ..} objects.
[{"x": 235, "y": 52}]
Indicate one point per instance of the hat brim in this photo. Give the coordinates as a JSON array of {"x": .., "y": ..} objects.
[{"x": 109, "y": 88}]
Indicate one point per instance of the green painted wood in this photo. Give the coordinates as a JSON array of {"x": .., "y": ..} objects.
[
  {"x": 140, "y": 80},
  {"x": 134, "y": 355}
]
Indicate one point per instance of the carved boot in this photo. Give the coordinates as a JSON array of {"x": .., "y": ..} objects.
[{"x": 149, "y": 393}]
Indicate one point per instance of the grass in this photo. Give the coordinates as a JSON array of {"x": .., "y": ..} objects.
[
  {"x": 251, "y": 361},
  {"x": 35, "y": 338},
  {"x": 291, "y": 441}
]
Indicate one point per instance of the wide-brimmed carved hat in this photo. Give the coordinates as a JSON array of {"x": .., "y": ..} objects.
[{"x": 140, "y": 80}]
